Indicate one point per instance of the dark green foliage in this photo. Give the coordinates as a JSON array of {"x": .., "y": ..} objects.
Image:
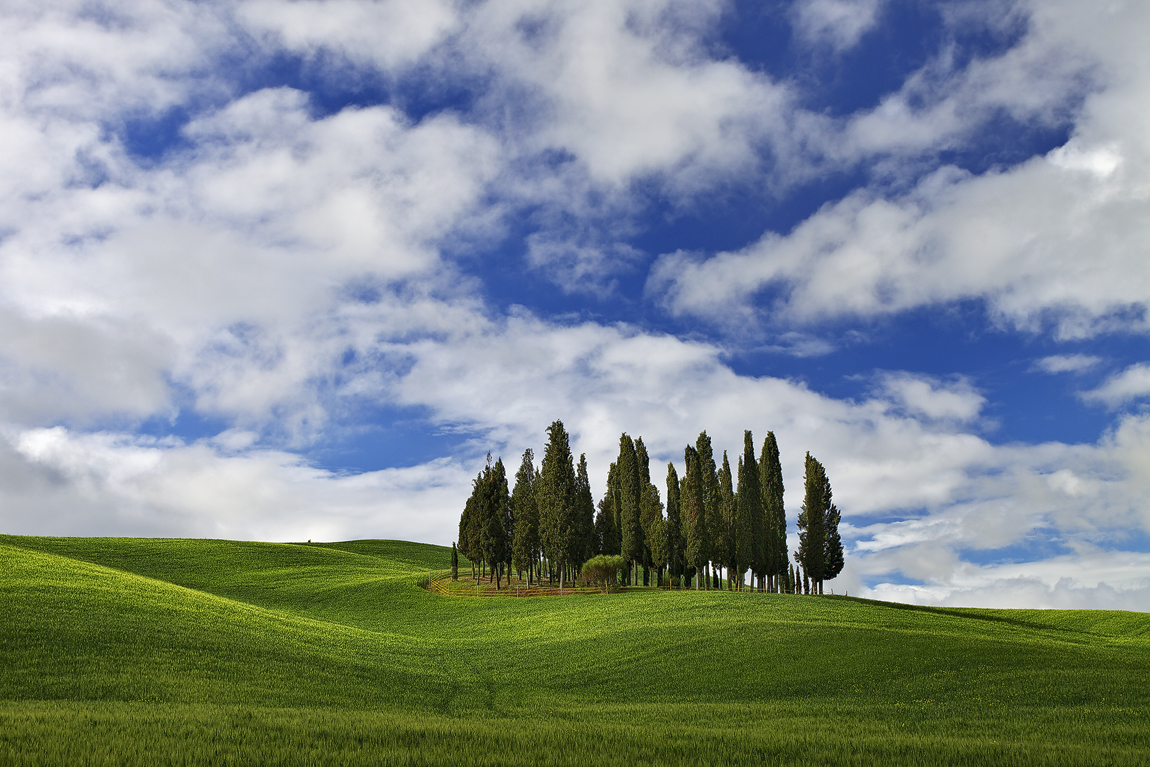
[
  {"x": 750, "y": 511},
  {"x": 651, "y": 519},
  {"x": 584, "y": 514},
  {"x": 711, "y": 497},
  {"x": 833, "y": 548},
  {"x": 469, "y": 529},
  {"x": 729, "y": 531},
  {"x": 496, "y": 505},
  {"x": 643, "y": 462},
  {"x": 454, "y": 562},
  {"x": 812, "y": 522},
  {"x": 674, "y": 528},
  {"x": 525, "y": 544},
  {"x": 694, "y": 514},
  {"x": 607, "y": 532},
  {"x": 603, "y": 570},
  {"x": 776, "y": 558},
  {"x": 558, "y": 527},
  {"x": 718, "y": 532},
  {"x": 629, "y": 496}
]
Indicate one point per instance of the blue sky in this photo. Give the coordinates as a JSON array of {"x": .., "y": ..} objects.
[{"x": 286, "y": 270}]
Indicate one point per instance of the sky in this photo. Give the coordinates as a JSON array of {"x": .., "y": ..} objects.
[{"x": 282, "y": 271}]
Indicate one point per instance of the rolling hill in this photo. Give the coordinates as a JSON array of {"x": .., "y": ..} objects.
[{"x": 138, "y": 651}]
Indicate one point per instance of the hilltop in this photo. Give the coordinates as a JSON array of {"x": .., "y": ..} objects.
[{"x": 130, "y": 651}]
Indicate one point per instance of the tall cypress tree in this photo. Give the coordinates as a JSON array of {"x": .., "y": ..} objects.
[
  {"x": 812, "y": 523},
  {"x": 607, "y": 523},
  {"x": 584, "y": 513},
  {"x": 727, "y": 531},
  {"x": 630, "y": 496},
  {"x": 774, "y": 513},
  {"x": 454, "y": 562},
  {"x": 711, "y": 497},
  {"x": 467, "y": 523},
  {"x": 496, "y": 511},
  {"x": 751, "y": 509},
  {"x": 674, "y": 529},
  {"x": 525, "y": 543},
  {"x": 832, "y": 545},
  {"x": 650, "y": 507},
  {"x": 694, "y": 515},
  {"x": 556, "y": 498}
]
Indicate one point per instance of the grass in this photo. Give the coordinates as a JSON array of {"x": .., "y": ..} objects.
[{"x": 134, "y": 651}]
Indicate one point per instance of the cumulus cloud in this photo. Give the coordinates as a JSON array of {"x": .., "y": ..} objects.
[
  {"x": 1131, "y": 384},
  {"x": 1067, "y": 363},
  {"x": 1055, "y": 240},
  {"x": 839, "y": 23},
  {"x": 117, "y": 484},
  {"x": 384, "y": 34},
  {"x": 930, "y": 398}
]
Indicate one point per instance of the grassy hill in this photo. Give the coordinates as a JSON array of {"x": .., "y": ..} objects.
[{"x": 134, "y": 651}]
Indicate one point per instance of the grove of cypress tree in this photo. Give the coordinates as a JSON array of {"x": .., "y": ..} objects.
[
  {"x": 525, "y": 543},
  {"x": 674, "y": 530},
  {"x": 556, "y": 499},
  {"x": 812, "y": 522},
  {"x": 774, "y": 513}
]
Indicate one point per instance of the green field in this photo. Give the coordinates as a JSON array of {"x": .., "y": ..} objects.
[{"x": 138, "y": 651}]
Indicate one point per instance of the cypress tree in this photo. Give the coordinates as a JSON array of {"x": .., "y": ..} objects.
[
  {"x": 774, "y": 513},
  {"x": 657, "y": 540},
  {"x": 454, "y": 562},
  {"x": 694, "y": 515},
  {"x": 812, "y": 522},
  {"x": 496, "y": 504},
  {"x": 728, "y": 530},
  {"x": 585, "y": 514},
  {"x": 556, "y": 498},
  {"x": 630, "y": 496},
  {"x": 467, "y": 521},
  {"x": 711, "y": 497},
  {"x": 674, "y": 530},
  {"x": 751, "y": 510},
  {"x": 833, "y": 545},
  {"x": 525, "y": 544},
  {"x": 607, "y": 525},
  {"x": 649, "y": 506}
]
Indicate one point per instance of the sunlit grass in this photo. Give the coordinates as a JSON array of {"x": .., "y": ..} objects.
[{"x": 131, "y": 651}]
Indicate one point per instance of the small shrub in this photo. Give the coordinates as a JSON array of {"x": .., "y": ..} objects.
[{"x": 603, "y": 570}]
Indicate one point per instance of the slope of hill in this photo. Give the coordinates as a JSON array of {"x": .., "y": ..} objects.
[{"x": 132, "y": 651}]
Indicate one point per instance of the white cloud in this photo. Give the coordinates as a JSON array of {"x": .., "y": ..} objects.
[
  {"x": 1131, "y": 384},
  {"x": 1088, "y": 579},
  {"x": 1067, "y": 363},
  {"x": 930, "y": 398},
  {"x": 386, "y": 34},
  {"x": 1060, "y": 238},
  {"x": 839, "y": 23},
  {"x": 116, "y": 484}
]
